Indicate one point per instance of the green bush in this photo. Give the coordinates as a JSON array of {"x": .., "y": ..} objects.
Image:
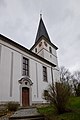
[{"x": 12, "y": 106}]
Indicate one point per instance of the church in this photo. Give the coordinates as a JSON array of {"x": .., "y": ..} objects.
[{"x": 26, "y": 74}]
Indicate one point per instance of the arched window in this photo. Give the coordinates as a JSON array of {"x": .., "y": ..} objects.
[{"x": 35, "y": 49}]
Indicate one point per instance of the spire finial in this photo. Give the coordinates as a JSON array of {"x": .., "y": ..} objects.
[{"x": 40, "y": 14}]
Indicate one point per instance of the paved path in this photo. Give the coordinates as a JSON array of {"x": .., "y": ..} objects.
[{"x": 26, "y": 112}]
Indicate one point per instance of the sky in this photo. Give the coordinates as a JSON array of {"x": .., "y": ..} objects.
[{"x": 19, "y": 20}]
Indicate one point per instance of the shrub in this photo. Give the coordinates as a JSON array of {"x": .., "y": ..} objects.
[
  {"x": 3, "y": 112},
  {"x": 12, "y": 106},
  {"x": 58, "y": 95},
  {"x": 3, "y": 109}
]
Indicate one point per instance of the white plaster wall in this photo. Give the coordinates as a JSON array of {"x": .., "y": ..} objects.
[
  {"x": 56, "y": 75},
  {"x": 5, "y": 75},
  {"x": 17, "y": 73},
  {"x": 45, "y": 47},
  {"x": 38, "y": 84},
  {"x": 39, "y": 48},
  {"x": 44, "y": 52},
  {"x": 48, "y": 56},
  {"x": 41, "y": 53},
  {"x": 33, "y": 78},
  {"x": 5, "y": 71},
  {"x": 38, "y": 94}
]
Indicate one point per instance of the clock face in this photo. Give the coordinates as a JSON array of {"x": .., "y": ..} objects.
[{"x": 45, "y": 43}]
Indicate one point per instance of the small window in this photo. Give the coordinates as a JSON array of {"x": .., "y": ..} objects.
[
  {"x": 25, "y": 83},
  {"x": 45, "y": 43},
  {"x": 44, "y": 74},
  {"x": 25, "y": 66},
  {"x": 50, "y": 49},
  {"x": 40, "y": 44},
  {"x": 35, "y": 49},
  {"x": 45, "y": 94},
  {"x": 50, "y": 56}
]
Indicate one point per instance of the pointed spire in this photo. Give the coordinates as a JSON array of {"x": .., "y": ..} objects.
[{"x": 41, "y": 30}]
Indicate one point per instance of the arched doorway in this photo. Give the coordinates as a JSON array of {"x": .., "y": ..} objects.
[
  {"x": 25, "y": 91},
  {"x": 25, "y": 96}
]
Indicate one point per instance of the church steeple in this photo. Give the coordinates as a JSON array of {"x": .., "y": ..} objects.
[
  {"x": 42, "y": 40},
  {"x": 41, "y": 30}
]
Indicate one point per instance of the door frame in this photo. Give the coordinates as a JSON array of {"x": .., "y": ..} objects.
[
  {"x": 27, "y": 97},
  {"x": 25, "y": 82},
  {"x": 30, "y": 94}
]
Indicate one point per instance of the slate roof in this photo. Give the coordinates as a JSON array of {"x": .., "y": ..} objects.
[{"x": 42, "y": 31}]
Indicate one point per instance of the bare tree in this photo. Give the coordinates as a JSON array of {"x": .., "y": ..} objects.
[
  {"x": 76, "y": 75},
  {"x": 76, "y": 82},
  {"x": 65, "y": 75},
  {"x": 72, "y": 80},
  {"x": 58, "y": 95}
]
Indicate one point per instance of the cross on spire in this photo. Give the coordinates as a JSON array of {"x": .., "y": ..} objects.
[{"x": 40, "y": 14}]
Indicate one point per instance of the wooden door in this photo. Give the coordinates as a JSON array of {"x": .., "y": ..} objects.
[{"x": 25, "y": 96}]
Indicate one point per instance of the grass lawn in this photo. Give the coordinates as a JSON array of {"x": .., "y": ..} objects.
[{"x": 74, "y": 105}]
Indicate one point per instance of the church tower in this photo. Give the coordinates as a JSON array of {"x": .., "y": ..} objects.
[{"x": 43, "y": 45}]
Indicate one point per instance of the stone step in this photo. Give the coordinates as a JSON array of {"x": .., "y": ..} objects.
[
  {"x": 27, "y": 117},
  {"x": 27, "y": 114},
  {"x": 38, "y": 118}
]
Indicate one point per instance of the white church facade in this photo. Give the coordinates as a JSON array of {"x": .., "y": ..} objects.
[{"x": 25, "y": 74}]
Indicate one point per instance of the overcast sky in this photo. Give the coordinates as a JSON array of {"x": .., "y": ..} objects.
[{"x": 19, "y": 21}]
